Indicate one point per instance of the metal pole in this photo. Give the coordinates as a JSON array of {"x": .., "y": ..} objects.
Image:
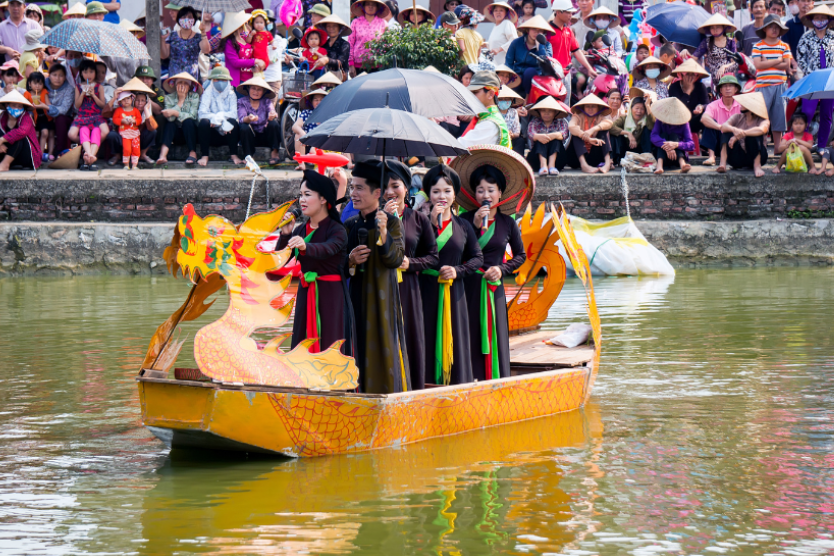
[{"x": 152, "y": 34}]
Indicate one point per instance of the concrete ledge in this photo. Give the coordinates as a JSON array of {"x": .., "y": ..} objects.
[
  {"x": 158, "y": 195},
  {"x": 34, "y": 248}
]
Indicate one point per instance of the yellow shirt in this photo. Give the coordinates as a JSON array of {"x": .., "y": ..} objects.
[{"x": 472, "y": 41}]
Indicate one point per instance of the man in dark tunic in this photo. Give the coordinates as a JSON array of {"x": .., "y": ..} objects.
[{"x": 376, "y": 249}]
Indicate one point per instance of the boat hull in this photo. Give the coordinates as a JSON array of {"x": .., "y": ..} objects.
[{"x": 302, "y": 423}]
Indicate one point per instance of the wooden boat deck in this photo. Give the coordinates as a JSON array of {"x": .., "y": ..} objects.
[{"x": 530, "y": 351}]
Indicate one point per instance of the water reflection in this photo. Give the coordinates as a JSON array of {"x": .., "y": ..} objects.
[{"x": 711, "y": 430}]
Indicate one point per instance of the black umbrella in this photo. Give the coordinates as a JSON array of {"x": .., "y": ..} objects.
[
  {"x": 426, "y": 93},
  {"x": 383, "y": 132}
]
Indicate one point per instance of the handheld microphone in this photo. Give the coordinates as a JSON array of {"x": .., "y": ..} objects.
[
  {"x": 362, "y": 234},
  {"x": 485, "y": 222}
]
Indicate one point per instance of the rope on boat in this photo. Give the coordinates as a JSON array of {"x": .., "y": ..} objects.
[
  {"x": 252, "y": 193},
  {"x": 624, "y": 187}
]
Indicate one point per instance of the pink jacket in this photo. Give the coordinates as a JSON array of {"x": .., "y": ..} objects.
[
  {"x": 237, "y": 65},
  {"x": 25, "y": 130},
  {"x": 362, "y": 33}
]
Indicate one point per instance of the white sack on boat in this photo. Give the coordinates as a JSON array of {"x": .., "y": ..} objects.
[{"x": 575, "y": 335}]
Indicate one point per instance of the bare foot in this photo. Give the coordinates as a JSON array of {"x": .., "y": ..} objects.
[
  {"x": 161, "y": 161},
  {"x": 830, "y": 172},
  {"x": 236, "y": 160},
  {"x": 5, "y": 167},
  {"x": 710, "y": 161},
  {"x": 776, "y": 170},
  {"x": 814, "y": 171},
  {"x": 588, "y": 169},
  {"x": 758, "y": 172},
  {"x": 685, "y": 168},
  {"x": 146, "y": 159},
  {"x": 721, "y": 169},
  {"x": 605, "y": 169},
  {"x": 203, "y": 161},
  {"x": 658, "y": 171}
]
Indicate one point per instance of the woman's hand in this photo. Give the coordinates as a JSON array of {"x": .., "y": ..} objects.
[
  {"x": 169, "y": 112},
  {"x": 297, "y": 242},
  {"x": 404, "y": 266},
  {"x": 481, "y": 215},
  {"x": 522, "y": 111},
  {"x": 596, "y": 142},
  {"x": 259, "y": 64},
  {"x": 251, "y": 118},
  {"x": 286, "y": 229},
  {"x": 493, "y": 274},
  {"x": 272, "y": 116},
  {"x": 632, "y": 142},
  {"x": 392, "y": 207},
  {"x": 448, "y": 273},
  {"x": 698, "y": 109},
  {"x": 436, "y": 212}
]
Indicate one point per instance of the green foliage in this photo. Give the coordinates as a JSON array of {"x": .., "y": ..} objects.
[
  {"x": 415, "y": 48},
  {"x": 799, "y": 214}
]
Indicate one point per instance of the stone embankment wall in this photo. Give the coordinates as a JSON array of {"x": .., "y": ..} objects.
[{"x": 159, "y": 196}]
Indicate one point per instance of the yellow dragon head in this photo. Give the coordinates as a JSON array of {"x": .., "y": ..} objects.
[{"x": 204, "y": 248}]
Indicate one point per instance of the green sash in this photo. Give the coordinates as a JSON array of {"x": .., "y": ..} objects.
[
  {"x": 443, "y": 346},
  {"x": 489, "y": 331}
]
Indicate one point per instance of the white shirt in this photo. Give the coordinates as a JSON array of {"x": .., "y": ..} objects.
[
  {"x": 501, "y": 37},
  {"x": 485, "y": 132}
]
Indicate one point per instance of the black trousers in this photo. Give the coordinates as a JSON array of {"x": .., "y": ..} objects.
[
  {"x": 711, "y": 139},
  {"x": 594, "y": 157},
  {"x": 270, "y": 137},
  {"x": 181, "y": 132},
  {"x": 738, "y": 157},
  {"x": 211, "y": 137},
  {"x": 21, "y": 152},
  {"x": 660, "y": 154},
  {"x": 620, "y": 145}
]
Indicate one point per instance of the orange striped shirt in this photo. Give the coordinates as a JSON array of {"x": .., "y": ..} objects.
[{"x": 765, "y": 51}]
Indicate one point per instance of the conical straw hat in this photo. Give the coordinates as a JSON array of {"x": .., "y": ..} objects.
[
  {"x": 536, "y": 22},
  {"x": 306, "y": 100},
  {"x": 67, "y": 161},
  {"x": 511, "y": 14},
  {"x": 403, "y": 17},
  {"x": 589, "y": 21},
  {"x": 256, "y": 81},
  {"x": 671, "y": 111},
  {"x": 592, "y": 100},
  {"x": 520, "y": 180},
  {"x": 232, "y": 22},
  {"x": 549, "y": 102},
  {"x": 691, "y": 66},
  {"x": 716, "y": 19},
  {"x": 322, "y": 24},
  {"x": 508, "y": 94},
  {"x": 328, "y": 78},
  {"x": 640, "y": 70},
  {"x": 514, "y": 81},
  {"x": 132, "y": 27},
  {"x": 635, "y": 92},
  {"x": 754, "y": 102},
  {"x": 76, "y": 9},
  {"x": 16, "y": 97},
  {"x": 356, "y": 10},
  {"x": 169, "y": 83},
  {"x": 818, "y": 10},
  {"x": 135, "y": 85}
]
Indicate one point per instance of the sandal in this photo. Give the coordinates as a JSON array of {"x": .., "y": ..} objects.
[
  {"x": 94, "y": 167},
  {"x": 274, "y": 161},
  {"x": 85, "y": 167},
  {"x": 190, "y": 161},
  {"x": 543, "y": 171},
  {"x": 553, "y": 171}
]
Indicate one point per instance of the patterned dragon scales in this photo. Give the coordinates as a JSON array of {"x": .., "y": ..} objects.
[{"x": 212, "y": 251}]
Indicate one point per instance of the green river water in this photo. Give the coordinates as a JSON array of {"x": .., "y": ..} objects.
[{"x": 710, "y": 431}]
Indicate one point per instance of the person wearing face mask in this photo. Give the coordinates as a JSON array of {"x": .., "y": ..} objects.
[
  {"x": 507, "y": 103},
  {"x": 19, "y": 143},
  {"x": 218, "y": 116},
  {"x": 603, "y": 19},
  {"x": 648, "y": 75},
  {"x": 183, "y": 48},
  {"x": 816, "y": 51},
  {"x": 795, "y": 26}
]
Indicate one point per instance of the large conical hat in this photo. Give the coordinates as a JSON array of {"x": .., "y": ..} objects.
[
  {"x": 691, "y": 66},
  {"x": 514, "y": 81},
  {"x": 67, "y": 161},
  {"x": 170, "y": 86},
  {"x": 135, "y": 85},
  {"x": 536, "y": 22},
  {"x": 754, "y": 102},
  {"x": 322, "y": 24},
  {"x": 716, "y": 19},
  {"x": 520, "y": 179},
  {"x": 403, "y": 17},
  {"x": 232, "y": 22},
  {"x": 592, "y": 100},
  {"x": 328, "y": 78},
  {"x": 511, "y": 13},
  {"x": 551, "y": 103},
  {"x": 640, "y": 70},
  {"x": 589, "y": 21},
  {"x": 356, "y": 10},
  {"x": 508, "y": 94},
  {"x": 818, "y": 10},
  {"x": 307, "y": 99},
  {"x": 256, "y": 81},
  {"x": 132, "y": 27},
  {"x": 14, "y": 97},
  {"x": 671, "y": 111}
]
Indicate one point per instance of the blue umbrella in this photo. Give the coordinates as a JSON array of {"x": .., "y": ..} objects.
[
  {"x": 96, "y": 37},
  {"x": 678, "y": 21},
  {"x": 816, "y": 85}
]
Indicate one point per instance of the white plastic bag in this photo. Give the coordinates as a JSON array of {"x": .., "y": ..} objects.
[
  {"x": 576, "y": 335},
  {"x": 639, "y": 163}
]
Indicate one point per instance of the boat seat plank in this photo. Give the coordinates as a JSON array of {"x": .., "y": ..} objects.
[{"x": 530, "y": 350}]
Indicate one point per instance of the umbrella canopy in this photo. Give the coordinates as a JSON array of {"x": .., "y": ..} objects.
[
  {"x": 816, "y": 85},
  {"x": 678, "y": 21},
  {"x": 383, "y": 132},
  {"x": 214, "y": 5},
  {"x": 428, "y": 94},
  {"x": 96, "y": 37}
]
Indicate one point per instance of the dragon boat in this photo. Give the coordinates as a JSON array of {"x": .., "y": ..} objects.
[{"x": 248, "y": 394}]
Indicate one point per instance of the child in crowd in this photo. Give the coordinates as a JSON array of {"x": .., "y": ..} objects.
[
  {"x": 716, "y": 49},
  {"x": 772, "y": 58},
  {"x": 11, "y": 77},
  {"x": 61, "y": 98},
  {"x": 668, "y": 54},
  {"x": 127, "y": 118},
  {"x": 89, "y": 126},
  {"x": 313, "y": 52},
  {"x": 507, "y": 101},
  {"x": 468, "y": 39},
  {"x": 640, "y": 54},
  {"x": 528, "y": 11},
  {"x": 37, "y": 94},
  {"x": 547, "y": 131},
  {"x": 260, "y": 37},
  {"x": 803, "y": 139},
  {"x": 827, "y": 155}
]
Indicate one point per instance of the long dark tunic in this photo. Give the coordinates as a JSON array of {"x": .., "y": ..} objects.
[
  {"x": 699, "y": 96},
  {"x": 462, "y": 253},
  {"x": 421, "y": 250},
  {"x": 338, "y": 52},
  {"x": 380, "y": 339},
  {"x": 325, "y": 255},
  {"x": 506, "y": 232}
]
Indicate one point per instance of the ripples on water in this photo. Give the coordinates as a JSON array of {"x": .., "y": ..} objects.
[{"x": 709, "y": 432}]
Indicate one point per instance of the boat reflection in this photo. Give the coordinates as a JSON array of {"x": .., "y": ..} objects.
[{"x": 444, "y": 496}]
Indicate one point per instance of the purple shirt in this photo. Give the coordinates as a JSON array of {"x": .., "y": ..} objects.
[
  {"x": 244, "y": 108},
  {"x": 14, "y": 36},
  {"x": 662, "y": 131}
]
